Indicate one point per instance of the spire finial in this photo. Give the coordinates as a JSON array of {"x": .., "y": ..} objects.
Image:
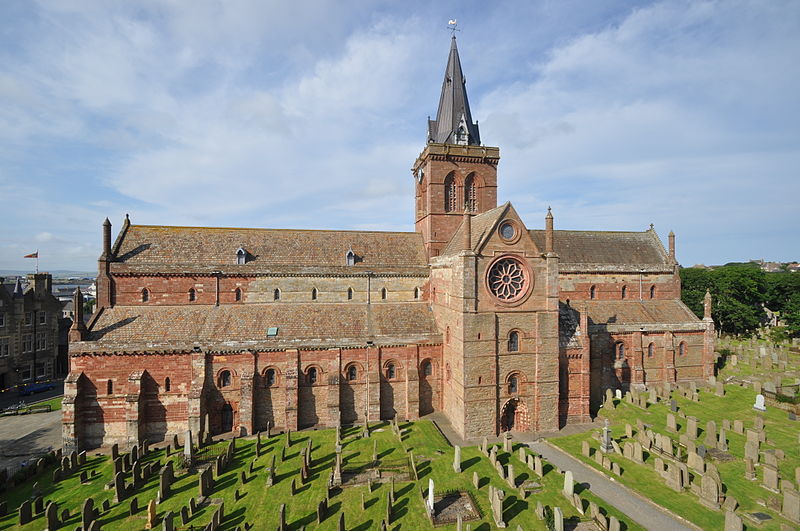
[{"x": 452, "y": 25}]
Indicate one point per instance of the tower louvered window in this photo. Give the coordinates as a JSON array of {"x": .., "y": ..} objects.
[
  {"x": 470, "y": 201},
  {"x": 449, "y": 194}
]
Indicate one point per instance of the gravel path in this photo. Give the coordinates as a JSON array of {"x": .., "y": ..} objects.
[{"x": 643, "y": 513}]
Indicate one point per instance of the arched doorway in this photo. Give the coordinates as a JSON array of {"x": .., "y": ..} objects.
[
  {"x": 227, "y": 418},
  {"x": 514, "y": 416}
]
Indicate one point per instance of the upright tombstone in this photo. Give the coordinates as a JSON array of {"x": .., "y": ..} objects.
[
  {"x": 507, "y": 442},
  {"x": 558, "y": 519},
  {"x": 709, "y": 492},
  {"x": 537, "y": 466},
  {"x": 188, "y": 455},
  {"x": 51, "y": 515},
  {"x": 87, "y": 513},
  {"x": 790, "y": 508},
  {"x": 457, "y": 459},
  {"x": 605, "y": 439},
  {"x": 711, "y": 434},
  {"x": 430, "y": 497},
  {"x": 282, "y": 518},
  {"x": 25, "y": 513},
  {"x": 733, "y": 522},
  {"x": 569, "y": 485},
  {"x": 760, "y": 404},
  {"x": 691, "y": 427},
  {"x": 672, "y": 425}
]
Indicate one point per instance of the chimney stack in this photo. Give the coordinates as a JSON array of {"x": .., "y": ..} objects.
[{"x": 548, "y": 232}]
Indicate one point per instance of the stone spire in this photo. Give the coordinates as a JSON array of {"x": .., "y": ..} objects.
[
  {"x": 548, "y": 231},
  {"x": 453, "y": 124},
  {"x": 707, "y": 306},
  {"x": 77, "y": 332}
]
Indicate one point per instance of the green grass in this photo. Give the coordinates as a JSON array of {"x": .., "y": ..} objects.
[
  {"x": 55, "y": 403},
  {"x": 259, "y": 504},
  {"x": 737, "y": 404}
]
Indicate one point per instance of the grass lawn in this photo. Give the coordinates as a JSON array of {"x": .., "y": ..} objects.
[
  {"x": 259, "y": 505},
  {"x": 55, "y": 403},
  {"x": 736, "y": 404}
]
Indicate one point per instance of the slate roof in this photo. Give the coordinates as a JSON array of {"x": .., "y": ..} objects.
[
  {"x": 609, "y": 248},
  {"x": 481, "y": 225},
  {"x": 453, "y": 106},
  {"x": 662, "y": 312},
  {"x": 163, "y": 249},
  {"x": 243, "y": 326}
]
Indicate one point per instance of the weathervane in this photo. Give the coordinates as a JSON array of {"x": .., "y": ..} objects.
[{"x": 452, "y": 26}]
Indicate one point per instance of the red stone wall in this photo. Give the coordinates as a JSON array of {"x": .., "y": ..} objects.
[{"x": 608, "y": 286}]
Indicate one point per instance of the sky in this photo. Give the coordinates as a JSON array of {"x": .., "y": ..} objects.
[{"x": 254, "y": 113}]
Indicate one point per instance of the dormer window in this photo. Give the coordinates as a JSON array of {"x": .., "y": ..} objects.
[
  {"x": 241, "y": 256},
  {"x": 350, "y": 258}
]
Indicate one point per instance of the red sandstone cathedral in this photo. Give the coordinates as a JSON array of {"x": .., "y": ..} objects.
[{"x": 498, "y": 326}]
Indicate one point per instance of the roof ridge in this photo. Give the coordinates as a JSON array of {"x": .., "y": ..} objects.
[{"x": 270, "y": 229}]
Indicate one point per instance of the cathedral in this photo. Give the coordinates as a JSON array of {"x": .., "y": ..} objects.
[{"x": 495, "y": 325}]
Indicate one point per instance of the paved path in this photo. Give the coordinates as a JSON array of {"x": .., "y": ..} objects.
[
  {"x": 25, "y": 436},
  {"x": 638, "y": 510}
]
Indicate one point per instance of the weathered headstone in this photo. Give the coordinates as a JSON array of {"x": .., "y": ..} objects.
[
  {"x": 760, "y": 403},
  {"x": 457, "y": 459},
  {"x": 711, "y": 434},
  {"x": 771, "y": 479},
  {"x": 790, "y": 508},
  {"x": 24, "y": 512},
  {"x": 709, "y": 492}
]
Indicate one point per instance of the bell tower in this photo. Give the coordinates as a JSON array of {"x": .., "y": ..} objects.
[{"x": 455, "y": 174}]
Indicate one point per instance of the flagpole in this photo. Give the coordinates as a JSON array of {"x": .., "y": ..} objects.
[{"x": 37, "y": 261}]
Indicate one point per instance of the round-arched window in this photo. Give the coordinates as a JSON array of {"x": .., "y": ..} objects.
[
  {"x": 513, "y": 384},
  {"x": 225, "y": 378},
  {"x": 311, "y": 375},
  {"x": 192, "y": 295},
  {"x": 620, "y": 351},
  {"x": 427, "y": 368},
  {"x": 167, "y": 384},
  {"x": 269, "y": 377},
  {"x": 352, "y": 373},
  {"x": 513, "y": 341},
  {"x": 390, "y": 371},
  {"x": 507, "y": 279},
  {"x": 593, "y": 292},
  {"x": 624, "y": 292},
  {"x": 651, "y": 350},
  {"x": 682, "y": 349},
  {"x": 145, "y": 295}
]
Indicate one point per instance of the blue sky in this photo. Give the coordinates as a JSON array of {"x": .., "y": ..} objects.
[{"x": 310, "y": 114}]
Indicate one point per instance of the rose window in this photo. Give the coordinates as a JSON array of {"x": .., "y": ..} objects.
[{"x": 507, "y": 279}]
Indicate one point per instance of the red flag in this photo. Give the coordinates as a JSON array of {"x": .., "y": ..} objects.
[{"x": 32, "y": 255}]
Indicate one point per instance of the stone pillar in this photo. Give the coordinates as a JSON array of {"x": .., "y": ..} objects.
[
  {"x": 670, "y": 374},
  {"x": 290, "y": 375},
  {"x": 412, "y": 384},
  {"x": 373, "y": 385},
  {"x": 246, "y": 409},
  {"x": 637, "y": 360},
  {"x": 133, "y": 410},
  {"x": 334, "y": 386},
  {"x": 196, "y": 403}
]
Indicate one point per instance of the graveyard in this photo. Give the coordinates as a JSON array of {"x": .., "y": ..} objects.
[
  {"x": 381, "y": 476},
  {"x": 723, "y": 455}
]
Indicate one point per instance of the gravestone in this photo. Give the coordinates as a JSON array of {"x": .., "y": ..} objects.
[
  {"x": 790, "y": 508},
  {"x": 151, "y": 515},
  {"x": 537, "y": 466},
  {"x": 87, "y": 513},
  {"x": 188, "y": 450},
  {"x": 749, "y": 469},
  {"x": 507, "y": 442},
  {"x": 430, "y": 497},
  {"x": 672, "y": 425},
  {"x": 674, "y": 478},
  {"x": 558, "y": 519},
  {"x": 605, "y": 439},
  {"x": 484, "y": 445},
  {"x": 738, "y": 426},
  {"x": 771, "y": 478},
  {"x": 51, "y": 515},
  {"x": 24, "y": 512},
  {"x": 569, "y": 485},
  {"x": 733, "y": 522},
  {"x": 751, "y": 451},
  {"x": 167, "y": 524},
  {"x": 709, "y": 492},
  {"x": 673, "y": 406},
  {"x": 511, "y": 477},
  {"x": 585, "y": 448},
  {"x": 457, "y": 460},
  {"x": 758, "y": 423},
  {"x": 760, "y": 403},
  {"x": 711, "y": 434},
  {"x": 691, "y": 427},
  {"x": 475, "y": 480},
  {"x": 134, "y": 507},
  {"x": 695, "y": 462},
  {"x": 719, "y": 389}
]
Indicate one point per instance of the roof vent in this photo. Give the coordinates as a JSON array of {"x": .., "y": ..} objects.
[{"x": 272, "y": 331}]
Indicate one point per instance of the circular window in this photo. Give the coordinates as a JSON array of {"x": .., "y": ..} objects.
[
  {"x": 508, "y": 279},
  {"x": 507, "y": 231}
]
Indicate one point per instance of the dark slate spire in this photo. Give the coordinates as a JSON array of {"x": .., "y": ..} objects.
[
  {"x": 453, "y": 124},
  {"x": 18, "y": 288}
]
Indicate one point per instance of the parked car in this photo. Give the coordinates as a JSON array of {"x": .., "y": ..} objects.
[{"x": 37, "y": 387}]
